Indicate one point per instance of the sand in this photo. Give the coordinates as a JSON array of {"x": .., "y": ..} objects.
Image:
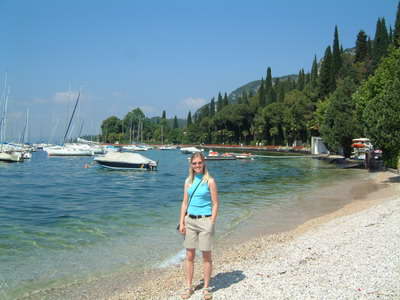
[{"x": 351, "y": 253}]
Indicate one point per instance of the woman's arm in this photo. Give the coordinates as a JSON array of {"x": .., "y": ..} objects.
[
  {"x": 184, "y": 207},
  {"x": 214, "y": 199}
]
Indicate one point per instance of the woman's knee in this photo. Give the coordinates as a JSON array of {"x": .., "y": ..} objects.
[
  {"x": 207, "y": 257},
  {"x": 190, "y": 254}
]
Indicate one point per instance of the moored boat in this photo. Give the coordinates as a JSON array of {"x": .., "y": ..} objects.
[
  {"x": 125, "y": 160},
  {"x": 11, "y": 156},
  {"x": 190, "y": 150}
]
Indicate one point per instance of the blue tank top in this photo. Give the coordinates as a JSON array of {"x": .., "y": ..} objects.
[{"x": 201, "y": 200}]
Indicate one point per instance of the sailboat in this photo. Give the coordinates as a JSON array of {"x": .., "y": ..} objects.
[
  {"x": 69, "y": 149},
  {"x": 7, "y": 152}
]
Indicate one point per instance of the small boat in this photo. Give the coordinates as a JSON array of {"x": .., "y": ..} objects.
[
  {"x": 360, "y": 147},
  {"x": 167, "y": 147},
  {"x": 190, "y": 150},
  {"x": 67, "y": 150},
  {"x": 11, "y": 156},
  {"x": 126, "y": 161},
  {"x": 213, "y": 155},
  {"x": 244, "y": 156}
]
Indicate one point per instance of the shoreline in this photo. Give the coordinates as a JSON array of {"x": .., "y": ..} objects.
[{"x": 166, "y": 284}]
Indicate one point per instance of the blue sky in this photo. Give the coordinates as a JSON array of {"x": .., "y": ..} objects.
[{"x": 158, "y": 55}]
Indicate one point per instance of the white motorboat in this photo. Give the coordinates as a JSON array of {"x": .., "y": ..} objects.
[
  {"x": 190, "y": 150},
  {"x": 67, "y": 151},
  {"x": 11, "y": 156},
  {"x": 126, "y": 160},
  {"x": 167, "y": 147}
]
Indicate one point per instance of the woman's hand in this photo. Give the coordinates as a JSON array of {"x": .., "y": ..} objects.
[{"x": 182, "y": 228}]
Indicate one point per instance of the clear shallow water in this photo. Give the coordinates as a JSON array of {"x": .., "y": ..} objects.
[{"x": 63, "y": 223}]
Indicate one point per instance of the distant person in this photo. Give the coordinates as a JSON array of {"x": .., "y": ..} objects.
[{"x": 199, "y": 212}]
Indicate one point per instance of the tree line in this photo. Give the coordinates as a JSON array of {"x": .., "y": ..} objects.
[{"x": 346, "y": 94}]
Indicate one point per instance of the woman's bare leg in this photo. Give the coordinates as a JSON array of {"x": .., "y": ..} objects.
[
  {"x": 207, "y": 267},
  {"x": 190, "y": 255}
]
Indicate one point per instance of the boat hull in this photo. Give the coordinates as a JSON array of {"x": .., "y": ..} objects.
[
  {"x": 11, "y": 157},
  {"x": 124, "y": 165}
]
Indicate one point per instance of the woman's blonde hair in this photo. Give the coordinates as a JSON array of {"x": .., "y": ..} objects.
[{"x": 206, "y": 174}]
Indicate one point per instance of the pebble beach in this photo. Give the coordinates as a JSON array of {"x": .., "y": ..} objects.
[{"x": 352, "y": 253}]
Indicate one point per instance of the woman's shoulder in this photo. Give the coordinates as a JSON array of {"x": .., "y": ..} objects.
[{"x": 211, "y": 181}]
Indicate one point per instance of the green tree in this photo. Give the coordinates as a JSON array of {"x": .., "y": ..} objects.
[
  {"x": 340, "y": 125},
  {"x": 314, "y": 73},
  {"x": 189, "y": 119},
  {"x": 225, "y": 101},
  {"x": 297, "y": 114},
  {"x": 381, "y": 42},
  {"x": 396, "y": 31},
  {"x": 326, "y": 80},
  {"x": 176, "y": 125},
  {"x": 361, "y": 47},
  {"x": 301, "y": 80},
  {"x": 261, "y": 94},
  {"x": 336, "y": 56},
  {"x": 220, "y": 102},
  {"x": 378, "y": 107},
  {"x": 212, "y": 107},
  {"x": 111, "y": 129},
  {"x": 164, "y": 115},
  {"x": 268, "y": 80}
]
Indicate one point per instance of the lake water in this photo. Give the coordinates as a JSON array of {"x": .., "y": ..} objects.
[{"x": 61, "y": 223}]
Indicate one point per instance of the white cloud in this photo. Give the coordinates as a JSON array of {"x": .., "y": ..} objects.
[
  {"x": 64, "y": 97},
  {"x": 193, "y": 103}
]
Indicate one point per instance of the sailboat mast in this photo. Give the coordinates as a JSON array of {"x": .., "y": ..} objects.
[{"x": 72, "y": 116}]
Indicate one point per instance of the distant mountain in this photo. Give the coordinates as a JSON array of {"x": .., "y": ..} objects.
[{"x": 253, "y": 87}]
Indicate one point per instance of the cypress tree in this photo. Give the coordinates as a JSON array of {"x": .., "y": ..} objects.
[
  {"x": 164, "y": 115},
  {"x": 176, "y": 125},
  {"x": 326, "y": 80},
  {"x": 336, "y": 55},
  {"x": 268, "y": 80},
  {"x": 314, "y": 73},
  {"x": 381, "y": 41},
  {"x": 220, "y": 103},
  {"x": 226, "y": 101},
  {"x": 212, "y": 107},
  {"x": 189, "y": 119},
  {"x": 361, "y": 47},
  {"x": 370, "y": 48},
  {"x": 261, "y": 94},
  {"x": 301, "y": 80},
  {"x": 271, "y": 96},
  {"x": 281, "y": 93},
  {"x": 385, "y": 36},
  {"x": 396, "y": 31}
]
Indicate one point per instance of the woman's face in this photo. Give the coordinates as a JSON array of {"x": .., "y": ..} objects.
[{"x": 197, "y": 165}]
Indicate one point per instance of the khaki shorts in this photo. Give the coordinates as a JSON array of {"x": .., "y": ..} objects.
[{"x": 199, "y": 231}]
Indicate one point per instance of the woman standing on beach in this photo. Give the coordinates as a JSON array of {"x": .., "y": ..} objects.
[{"x": 199, "y": 212}]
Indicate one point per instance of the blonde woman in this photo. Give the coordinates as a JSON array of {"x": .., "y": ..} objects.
[{"x": 199, "y": 212}]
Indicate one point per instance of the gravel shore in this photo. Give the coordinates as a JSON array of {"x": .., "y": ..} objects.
[{"x": 352, "y": 253}]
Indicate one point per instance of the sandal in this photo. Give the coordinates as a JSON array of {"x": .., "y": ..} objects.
[
  {"x": 187, "y": 293},
  {"x": 207, "y": 294}
]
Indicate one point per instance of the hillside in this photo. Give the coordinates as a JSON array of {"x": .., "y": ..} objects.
[{"x": 253, "y": 86}]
